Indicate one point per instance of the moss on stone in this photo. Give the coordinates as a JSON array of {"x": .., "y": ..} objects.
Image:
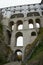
[
  {"x": 37, "y": 56},
  {"x": 29, "y": 47}
]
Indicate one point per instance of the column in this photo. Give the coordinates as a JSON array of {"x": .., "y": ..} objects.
[
  {"x": 13, "y": 37},
  {"x": 25, "y": 24}
]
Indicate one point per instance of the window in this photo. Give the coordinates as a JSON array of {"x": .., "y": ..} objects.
[
  {"x": 33, "y": 14},
  {"x": 11, "y": 25},
  {"x": 19, "y": 39},
  {"x": 36, "y": 14},
  {"x": 34, "y": 4},
  {"x": 33, "y": 33},
  {"x": 19, "y": 25},
  {"x": 17, "y": 15},
  {"x": 14, "y": 6},
  {"x": 38, "y": 23},
  {"x": 20, "y": 10},
  {"x": 20, "y": 6},
  {"x": 29, "y": 14},
  {"x": 41, "y": 8},
  {"x": 30, "y": 24}
]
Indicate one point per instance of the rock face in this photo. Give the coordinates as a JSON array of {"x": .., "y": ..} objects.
[
  {"x": 14, "y": 63},
  {"x": 3, "y": 47},
  {"x": 34, "y": 63},
  {"x": 2, "y": 43}
]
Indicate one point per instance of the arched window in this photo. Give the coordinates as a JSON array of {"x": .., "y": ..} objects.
[
  {"x": 11, "y": 25},
  {"x": 36, "y": 13},
  {"x": 30, "y": 24},
  {"x": 33, "y": 14},
  {"x": 33, "y": 33},
  {"x": 17, "y": 15},
  {"x": 18, "y": 54},
  {"x": 19, "y": 25},
  {"x": 29, "y": 14},
  {"x": 19, "y": 39},
  {"x": 38, "y": 23}
]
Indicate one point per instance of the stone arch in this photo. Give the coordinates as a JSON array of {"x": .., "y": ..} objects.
[
  {"x": 18, "y": 54},
  {"x": 33, "y": 14},
  {"x": 33, "y": 33},
  {"x": 37, "y": 22},
  {"x": 42, "y": 13},
  {"x": 29, "y": 14},
  {"x": 31, "y": 26},
  {"x": 36, "y": 14},
  {"x": 11, "y": 25},
  {"x": 17, "y": 15},
  {"x": 8, "y": 36},
  {"x": 19, "y": 39},
  {"x": 19, "y": 25}
]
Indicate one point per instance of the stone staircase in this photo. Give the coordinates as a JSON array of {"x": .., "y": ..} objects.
[{"x": 13, "y": 63}]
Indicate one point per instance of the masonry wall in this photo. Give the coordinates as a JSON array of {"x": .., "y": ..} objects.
[{"x": 27, "y": 38}]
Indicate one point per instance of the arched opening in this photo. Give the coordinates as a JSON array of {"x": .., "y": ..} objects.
[
  {"x": 33, "y": 33},
  {"x": 17, "y": 15},
  {"x": 36, "y": 13},
  {"x": 8, "y": 36},
  {"x": 29, "y": 14},
  {"x": 37, "y": 23},
  {"x": 18, "y": 55},
  {"x": 11, "y": 25},
  {"x": 19, "y": 39},
  {"x": 41, "y": 8},
  {"x": 19, "y": 25},
  {"x": 31, "y": 24},
  {"x": 33, "y": 14},
  {"x": 42, "y": 13}
]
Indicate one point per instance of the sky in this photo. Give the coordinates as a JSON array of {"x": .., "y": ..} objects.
[{"x": 8, "y": 3}]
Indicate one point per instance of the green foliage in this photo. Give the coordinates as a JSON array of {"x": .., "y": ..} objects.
[
  {"x": 22, "y": 63},
  {"x": 29, "y": 47},
  {"x": 4, "y": 49},
  {"x": 38, "y": 53},
  {"x": 2, "y": 58},
  {"x": 38, "y": 50},
  {"x": 4, "y": 54}
]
